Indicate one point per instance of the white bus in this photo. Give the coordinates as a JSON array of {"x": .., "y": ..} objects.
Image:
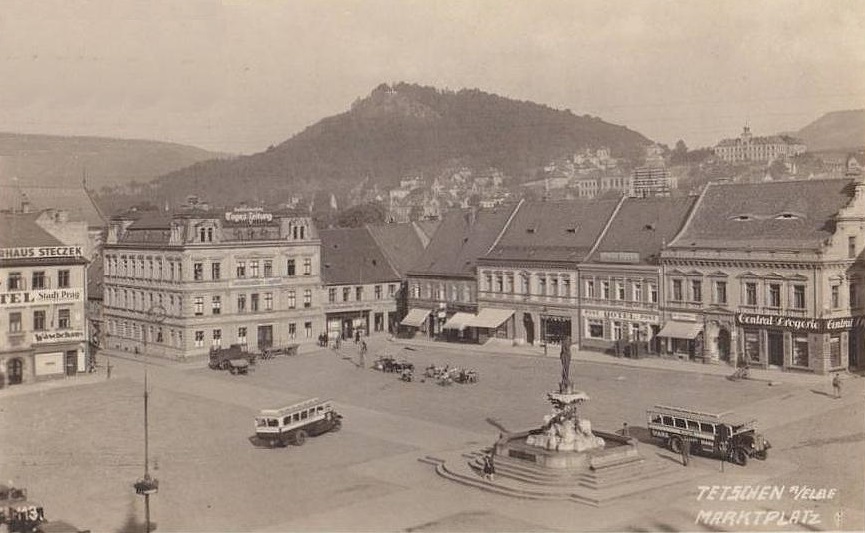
[{"x": 292, "y": 424}]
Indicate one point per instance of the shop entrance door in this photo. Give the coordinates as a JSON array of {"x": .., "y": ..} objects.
[
  {"x": 724, "y": 345},
  {"x": 16, "y": 371},
  {"x": 776, "y": 348},
  {"x": 529, "y": 324},
  {"x": 265, "y": 337},
  {"x": 71, "y": 362}
]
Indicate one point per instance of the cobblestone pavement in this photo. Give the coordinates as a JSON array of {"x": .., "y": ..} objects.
[{"x": 78, "y": 449}]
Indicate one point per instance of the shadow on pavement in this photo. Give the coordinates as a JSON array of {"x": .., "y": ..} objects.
[{"x": 822, "y": 393}]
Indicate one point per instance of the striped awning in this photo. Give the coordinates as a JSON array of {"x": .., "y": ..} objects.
[
  {"x": 681, "y": 330},
  {"x": 490, "y": 318},
  {"x": 459, "y": 321},
  {"x": 415, "y": 317}
]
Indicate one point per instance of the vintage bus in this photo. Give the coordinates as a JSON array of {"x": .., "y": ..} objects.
[
  {"x": 714, "y": 434},
  {"x": 293, "y": 424}
]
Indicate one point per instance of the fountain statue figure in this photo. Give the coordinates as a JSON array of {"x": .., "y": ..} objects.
[{"x": 566, "y": 386}]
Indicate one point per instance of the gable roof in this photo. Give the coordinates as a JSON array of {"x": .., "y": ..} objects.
[
  {"x": 768, "y": 215},
  {"x": 460, "y": 239},
  {"x": 352, "y": 256},
  {"x": 21, "y": 230},
  {"x": 643, "y": 226},
  {"x": 74, "y": 200},
  {"x": 554, "y": 231},
  {"x": 400, "y": 243}
]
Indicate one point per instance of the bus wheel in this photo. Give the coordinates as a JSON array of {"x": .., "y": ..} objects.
[
  {"x": 299, "y": 437},
  {"x": 337, "y": 425},
  {"x": 761, "y": 455},
  {"x": 740, "y": 457},
  {"x": 676, "y": 444}
]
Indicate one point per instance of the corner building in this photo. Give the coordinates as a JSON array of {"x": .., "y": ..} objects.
[
  {"x": 42, "y": 301},
  {"x": 770, "y": 274},
  {"x": 197, "y": 279}
]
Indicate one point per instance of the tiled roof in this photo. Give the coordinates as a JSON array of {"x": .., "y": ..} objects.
[
  {"x": 643, "y": 226},
  {"x": 95, "y": 278},
  {"x": 554, "y": 231},
  {"x": 351, "y": 256},
  {"x": 460, "y": 240},
  {"x": 400, "y": 243},
  {"x": 74, "y": 200},
  {"x": 21, "y": 230},
  {"x": 156, "y": 219},
  {"x": 782, "y": 214}
]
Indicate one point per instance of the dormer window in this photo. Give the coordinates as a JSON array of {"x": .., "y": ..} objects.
[{"x": 788, "y": 216}]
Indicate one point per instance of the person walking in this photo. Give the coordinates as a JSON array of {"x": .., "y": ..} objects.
[
  {"x": 836, "y": 385},
  {"x": 625, "y": 431},
  {"x": 686, "y": 451},
  {"x": 362, "y": 354}
]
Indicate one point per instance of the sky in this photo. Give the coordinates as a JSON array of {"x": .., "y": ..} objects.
[{"x": 239, "y": 75}]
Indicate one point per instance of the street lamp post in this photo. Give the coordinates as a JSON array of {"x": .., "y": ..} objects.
[{"x": 148, "y": 485}]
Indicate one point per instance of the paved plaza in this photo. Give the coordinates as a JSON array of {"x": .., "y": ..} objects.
[{"x": 79, "y": 448}]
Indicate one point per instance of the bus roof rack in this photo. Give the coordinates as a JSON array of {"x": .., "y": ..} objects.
[
  {"x": 691, "y": 412},
  {"x": 295, "y": 407}
]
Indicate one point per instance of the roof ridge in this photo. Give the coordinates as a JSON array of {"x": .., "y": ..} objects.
[{"x": 383, "y": 250}]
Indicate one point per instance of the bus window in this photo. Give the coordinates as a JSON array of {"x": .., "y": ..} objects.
[
  {"x": 656, "y": 419},
  {"x": 286, "y": 421},
  {"x": 304, "y": 415},
  {"x": 693, "y": 425},
  {"x": 272, "y": 422},
  {"x": 707, "y": 428},
  {"x": 319, "y": 409},
  {"x": 260, "y": 422},
  {"x": 295, "y": 417},
  {"x": 668, "y": 420},
  {"x": 680, "y": 423}
]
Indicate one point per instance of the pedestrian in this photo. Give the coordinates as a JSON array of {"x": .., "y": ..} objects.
[
  {"x": 489, "y": 469},
  {"x": 362, "y": 354},
  {"x": 686, "y": 451},
  {"x": 357, "y": 336},
  {"x": 625, "y": 430},
  {"x": 836, "y": 384}
]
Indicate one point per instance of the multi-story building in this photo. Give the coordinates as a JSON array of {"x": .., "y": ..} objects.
[
  {"x": 770, "y": 274},
  {"x": 527, "y": 282},
  {"x": 749, "y": 148},
  {"x": 620, "y": 280},
  {"x": 43, "y": 334},
  {"x": 197, "y": 279},
  {"x": 442, "y": 285},
  {"x": 361, "y": 285}
]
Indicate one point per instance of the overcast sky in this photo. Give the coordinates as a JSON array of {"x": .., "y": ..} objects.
[{"x": 239, "y": 75}]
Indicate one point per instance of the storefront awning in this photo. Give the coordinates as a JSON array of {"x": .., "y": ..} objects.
[
  {"x": 681, "y": 330},
  {"x": 415, "y": 317},
  {"x": 459, "y": 321},
  {"x": 490, "y": 318}
]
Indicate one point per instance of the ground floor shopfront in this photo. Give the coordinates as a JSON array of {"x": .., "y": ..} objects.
[
  {"x": 458, "y": 324},
  {"x": 42, "y": 363},
  {"x": 347, "y": 325},
  {"x": 617, "y": 330},
  {"x": 767, "y": 341}
]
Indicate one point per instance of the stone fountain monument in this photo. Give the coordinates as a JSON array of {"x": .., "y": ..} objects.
[{"x": 566, "y": 440}]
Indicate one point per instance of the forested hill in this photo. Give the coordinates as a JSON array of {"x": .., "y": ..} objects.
[
  {"x": 838, "y": 130},
  {"x": 403, "y": 130},
  {"x": 104, "y": 161}
]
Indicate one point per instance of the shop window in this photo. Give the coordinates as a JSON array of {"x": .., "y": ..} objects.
[
  {"x": 677, "y": 290},
  {"x": 835, "y": 351},
  {"x": 63, "y": 279},
  {"x": 751, "y": 294},
  {"x": 798, "y": 296},
  {"x": 800, "y": 351},
  {"x": 752, "y": 346},
  {"x": 774, "y": 295},
  {"x": 596, "y": 329},
  {"x": 721, "y": 292}
]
